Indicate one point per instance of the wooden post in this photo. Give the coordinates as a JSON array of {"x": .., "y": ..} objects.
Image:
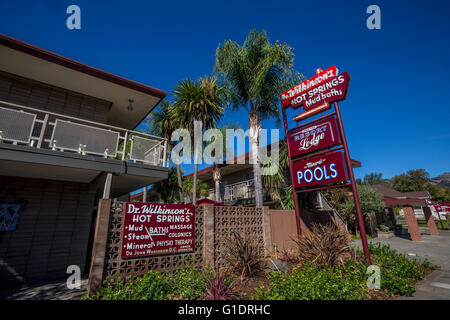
[
  {"x": 413, "y": 226},
  {"x": 208, "y": 235},
  {"x": 99, "y": 245},
  {"x": 430, "y": 221}
]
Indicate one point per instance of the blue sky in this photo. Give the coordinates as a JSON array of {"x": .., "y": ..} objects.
[{"x": 396, "y": 115}]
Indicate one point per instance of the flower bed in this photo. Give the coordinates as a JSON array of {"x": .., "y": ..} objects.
[{"x": 300, "y": 282}]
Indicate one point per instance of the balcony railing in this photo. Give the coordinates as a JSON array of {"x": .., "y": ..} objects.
[
  {"x": 21, "y": 125},
  {"x": 238, "y": 191},
  {"x": 241, "y": 190}
]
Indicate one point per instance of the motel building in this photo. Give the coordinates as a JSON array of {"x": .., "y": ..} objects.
[
  {"x": 67, "y": 139},
  {"x": 419, "y": 201}
]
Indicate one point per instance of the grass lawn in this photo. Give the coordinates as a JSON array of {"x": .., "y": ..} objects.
[
  {"x": 354, "y": 236},
  {"x": 423, "y": 223}
]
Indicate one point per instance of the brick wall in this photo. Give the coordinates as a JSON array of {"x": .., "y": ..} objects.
[{"x": 52, "y": 230}]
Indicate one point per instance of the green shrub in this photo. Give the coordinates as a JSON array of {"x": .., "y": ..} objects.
[
  {"x": 348, "y": 281},
  {"x": 152, "y": 286},
  {"x": 309, "y": 283},
  {"x": 188, "y": 283},
  {"x": 384, "y": 228},
  {"x": 398, "y": 273}
]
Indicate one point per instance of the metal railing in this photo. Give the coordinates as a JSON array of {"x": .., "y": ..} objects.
[
  {"x": 239, "y": 191},
  {"x": 325, "y": 204},
  {"x": 22, "y": 125}
]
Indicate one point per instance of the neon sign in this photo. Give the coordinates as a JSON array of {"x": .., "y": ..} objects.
[{"x": 323, "y": 169}]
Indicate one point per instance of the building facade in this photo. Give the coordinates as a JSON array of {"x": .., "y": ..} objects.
[
  {"x": 417, "y": 200},
  {"x": 67, "y": 139}
]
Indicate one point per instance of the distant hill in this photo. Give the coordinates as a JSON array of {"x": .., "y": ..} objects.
[{"x": 442, "y": 180}]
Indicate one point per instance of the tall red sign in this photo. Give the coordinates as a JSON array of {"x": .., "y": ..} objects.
[
  {"x": 315, "y": 149},
  {"x": 288, "y": 96},
  {"x": 313, "y": 137},
  {"x": 335, "y": 89},
  {"x": 157, "y": 229},
  {"x": 327, "y": 168}
]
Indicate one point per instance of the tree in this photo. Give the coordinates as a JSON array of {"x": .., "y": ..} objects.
[
  {"x": 217, "y": 171},
  {"x": 438, "y": 193},
  {"x": 163, "y": 123},
  {"x": 413, "y": 180},
  {"x": 370, "y": 201},
  {"x": 273, "y": 175},
  {"x": 253, "y": 76},
  {"x": 188, "y": 188},
  {"x": 371, "y": 178},
  {"x": 419, "y": 180},
  {"x": 198, "y": 100},
  {"x": 287, "y": 197},
  {"x": 167, "y": 189}
]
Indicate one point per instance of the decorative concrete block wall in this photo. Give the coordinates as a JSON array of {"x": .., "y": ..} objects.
[{"x": 212, "y": 224}]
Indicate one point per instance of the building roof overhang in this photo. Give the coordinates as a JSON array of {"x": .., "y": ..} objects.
[
  {"x": 28, "y": 61},
  {"x": 26, "y": 162}
]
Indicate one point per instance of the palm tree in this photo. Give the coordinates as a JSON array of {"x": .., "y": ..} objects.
[
  {"x": 167, "y": 190},
  {"x": 254, "y": 75},
  {"x": 273, "y": 175},
  {"x": 197, "y": 100},
  {"x": 188, "y": 188},
  {"x": 217, "y": 171},
  {"x": 162, "y": 123}
]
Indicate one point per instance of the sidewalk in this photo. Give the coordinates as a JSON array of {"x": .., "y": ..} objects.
[
  {"x": 49, "y": 291},
  {"x": 436, "y": 249}
]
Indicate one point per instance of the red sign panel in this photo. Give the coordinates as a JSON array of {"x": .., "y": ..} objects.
[
  {"x": 443, "y": 207},
  {"x": 322, "y": 169},
  {"x": 321, "y": 77},
  {"x": 156, "y": 229},
  {"x": 334, "y": 89},
  {"x": 315, "y": 136}
]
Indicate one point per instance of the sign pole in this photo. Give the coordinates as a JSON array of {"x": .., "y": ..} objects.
[{"x": 359, "y": 215}]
